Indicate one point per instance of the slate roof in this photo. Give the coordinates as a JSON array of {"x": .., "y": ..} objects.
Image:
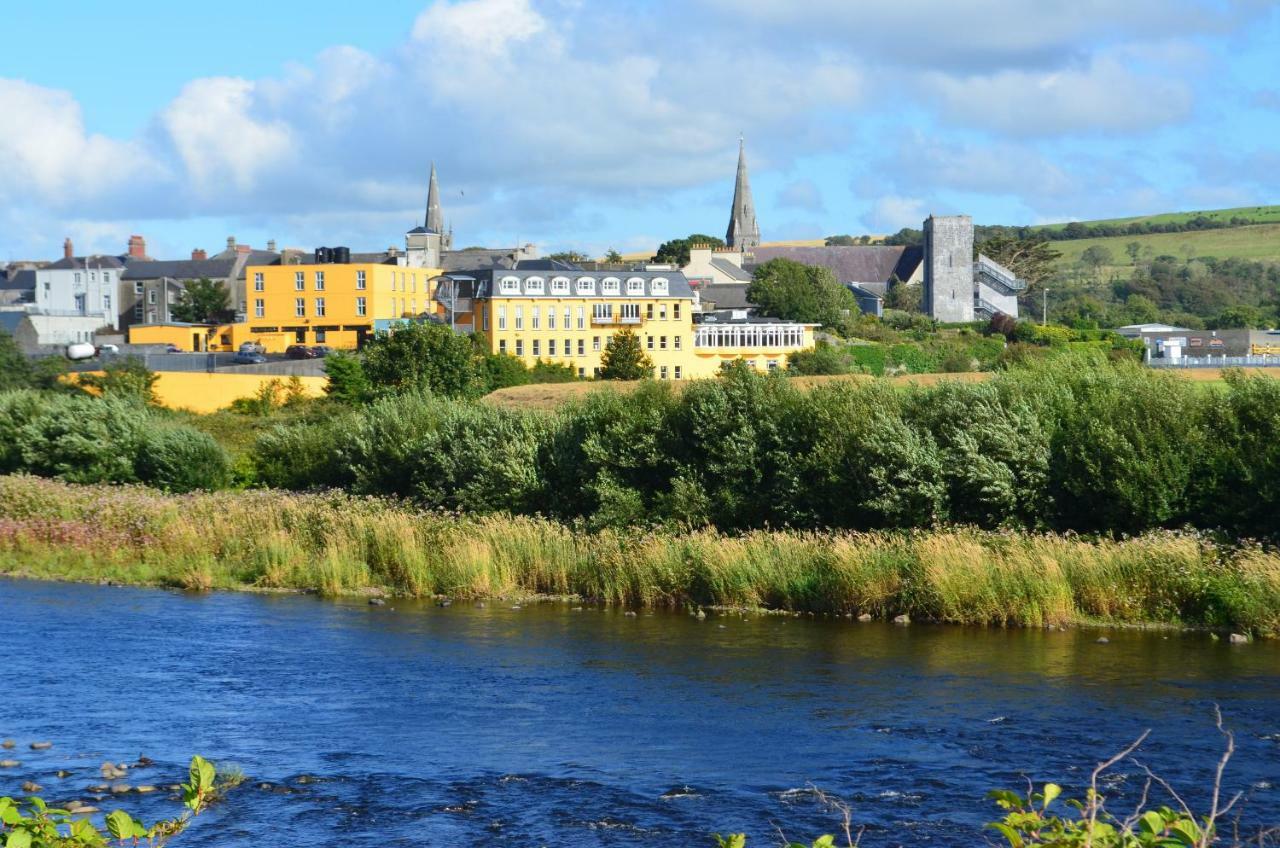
[
  {"x": 730, "y": 270},
  {"x": 18, "y": 281},
  {"x": 216, "y": 268},
  {"x": 482, "y": 283},
  {"x": 874, "y": 263},
  {"x": 10, "y": 320},
  {"x": 546, "y": 265},
  {"x": 81, "y": 263},
  {"x": 727, "y": 296}
]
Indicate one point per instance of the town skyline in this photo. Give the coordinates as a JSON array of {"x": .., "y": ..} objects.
[{"x": 329, "y": 138}]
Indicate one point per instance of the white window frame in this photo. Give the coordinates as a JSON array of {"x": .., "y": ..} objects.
[
  {"x": 362, "y": 306},
  {"x": 361, "y": 281},
  {"x": 610, "y": 286},
  {"x": 319, "y": 280},
  {"x": 319, "y": 307},
  {"x": 585, "y": 286},
  {"x": 509, "y": 285},
  {"x": 502, "y": 317},
  {"x": 258, "y": 283},
  {"x": 299, "y": 280},
  {"x": 659, "y": 286},
  {"x": 535, "y": 285},
  {"x": 559, "y": 285},
  {"x": 300, "y": 307},
  {"x": 259, "y": 308},
  {"x": 519, "y": 317},
  {"x": 635, "y": 286},
  {"x": 535, "y": 318}
]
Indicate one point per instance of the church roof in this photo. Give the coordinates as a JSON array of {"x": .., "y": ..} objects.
[{"x": 875, "y": 263}]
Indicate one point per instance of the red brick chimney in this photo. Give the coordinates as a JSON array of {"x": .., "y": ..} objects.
[
  {"x": 243, "y": 248},
  {"x": 68, "y": 252},
  {"x": 198, "y": 255},
  {"x": 137, "y": 247}
]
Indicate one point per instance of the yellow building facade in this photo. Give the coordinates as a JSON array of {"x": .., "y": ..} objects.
[
  {"x": 568, "y": 318},
  {"x": 334, "y": 304}
]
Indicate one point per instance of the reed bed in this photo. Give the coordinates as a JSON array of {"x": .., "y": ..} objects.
[{"x": 341, "y": 545}]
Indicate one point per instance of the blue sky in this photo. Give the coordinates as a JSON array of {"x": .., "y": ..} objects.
[{"x": 600, "y": 124}]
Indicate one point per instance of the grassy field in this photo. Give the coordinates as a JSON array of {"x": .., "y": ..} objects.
[
  {"x": 340, "y": 545},
  {"x": 1259, "y": 214},
  {"x": 1258, "y": 243}
]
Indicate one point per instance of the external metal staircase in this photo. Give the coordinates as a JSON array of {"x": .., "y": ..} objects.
[{"x": 987, "y": 272}]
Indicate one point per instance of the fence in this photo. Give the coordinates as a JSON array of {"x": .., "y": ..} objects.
[{"x": 1245, "y": 361}]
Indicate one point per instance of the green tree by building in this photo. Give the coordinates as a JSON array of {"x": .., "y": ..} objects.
[
  {"x": 424, "y": 356},
  {"x": 786, "y": 289},
  {"x": 203, "y": 301},
  {"x": 624, "y": 358}
]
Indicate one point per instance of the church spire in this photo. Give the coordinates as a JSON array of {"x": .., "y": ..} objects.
[
  {"x": 435, "y": 218},
  {"x": 743, "y": 230}
]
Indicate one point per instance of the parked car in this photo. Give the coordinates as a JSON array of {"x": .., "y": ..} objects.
[
  {"x": 252, "y": 347},
  {"x": 248, "y": 357},
  {"x": 108, "y": 348},
  {"x": 299, "y": 352},
  {"x": 173, "y": 348},
  {"x": 322, "y": 350}
]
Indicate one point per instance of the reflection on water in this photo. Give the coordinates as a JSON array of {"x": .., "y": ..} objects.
[{"x": 415, "y": 724}]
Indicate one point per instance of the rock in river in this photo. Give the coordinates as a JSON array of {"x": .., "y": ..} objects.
[
  {"x": 1239, "y": 639},
  {"x": 9, "y": 763},
  {"x": 7, "y": 744},
  {"x": 902, "y": 619},
  {"x": 31, "y": 786},
  {"x": 41, "y": 746}
]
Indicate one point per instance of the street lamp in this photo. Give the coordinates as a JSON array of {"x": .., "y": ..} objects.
[{"x": 1044, "y": 315}]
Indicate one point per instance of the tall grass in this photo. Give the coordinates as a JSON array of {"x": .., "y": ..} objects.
[{"x": 339, "y": 544}]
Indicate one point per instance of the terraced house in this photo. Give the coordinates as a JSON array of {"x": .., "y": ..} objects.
[{"x": 568, "y": 318}]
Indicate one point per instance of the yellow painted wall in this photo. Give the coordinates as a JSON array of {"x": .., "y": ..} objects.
[
  {"x": 337, "y": 301},
  {"x": 200, "y": 391}
]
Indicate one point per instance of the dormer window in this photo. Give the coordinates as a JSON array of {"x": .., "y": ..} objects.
[
  {"x": 635, "y": 285},
  {"x": 658, "y": 286},
  {"x": 611, "y": 285},
  {"x": 559, "y": 285},
  {"x": 535, "y": 285},
  {"x": 509, "y": 285},
  {"x": 586, "y": 285}
]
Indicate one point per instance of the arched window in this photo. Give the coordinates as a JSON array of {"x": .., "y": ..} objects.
[
  {"x": 658, "y": 286},
  {"x": 586, "y": 285},
  {"x": 509, "y": 285},
  {"x": 635, "y": 285},
  {"x": 611, "y": 285},
  {"x": 535, "y": 285},
  {"x": 559, "y": 285}
]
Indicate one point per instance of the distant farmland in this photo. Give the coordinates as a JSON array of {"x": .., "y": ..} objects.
[{"x": 1257, "y": 243}]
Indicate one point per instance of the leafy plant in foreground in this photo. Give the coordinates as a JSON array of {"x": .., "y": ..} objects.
[{"x": 42, "y": 826}]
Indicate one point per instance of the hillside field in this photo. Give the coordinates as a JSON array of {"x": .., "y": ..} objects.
[
  {"x": 1259, "y": 214},
  {"x": 1260, "y": 243}
]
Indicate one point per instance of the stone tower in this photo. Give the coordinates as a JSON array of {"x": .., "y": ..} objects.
[
  {"x": 743, "y": 232},
  {"x": 435, "y": 217},
  {"x": 948, "y": 268}
]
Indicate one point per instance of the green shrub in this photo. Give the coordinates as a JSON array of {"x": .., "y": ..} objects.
[
  {"x": 304, "y": 455},
  {"x": 17, "y": 409},
  {"x": 181, "y": 459},
  {"x": 85, "y": 439}
]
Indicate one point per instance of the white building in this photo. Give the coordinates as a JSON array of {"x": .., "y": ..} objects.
[{"x": 79, "y": 287}]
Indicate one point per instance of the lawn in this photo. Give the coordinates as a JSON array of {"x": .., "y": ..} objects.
[
  {"x": 1259, "y": 214},
  {"x": 1257, "y": 243}
]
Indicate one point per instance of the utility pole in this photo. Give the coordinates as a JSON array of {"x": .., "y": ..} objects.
[{"x": 1044, "y": 315}]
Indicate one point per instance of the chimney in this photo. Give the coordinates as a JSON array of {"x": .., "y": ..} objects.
[
  {"x": 198, "y": 255},
  {"x": 137, "y": 247},
  {"x": 243, "y": 248},
  {"x": 231, "y": 244},
  {"x": 68, "y": 252},
  {"x": 271, "y": 245}
]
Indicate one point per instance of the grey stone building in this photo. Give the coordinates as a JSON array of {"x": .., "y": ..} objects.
[{"x": 948, "y": 268}]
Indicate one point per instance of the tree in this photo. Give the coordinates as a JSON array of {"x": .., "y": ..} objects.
[
  {"x": 613, "y": 256},
  {"x": 127, "y": 378},
  {"x": 1095, "y": 256},
  {"x": 569, "y": 256},
  {"x": 15, "y": 368},
  {"x": 203, "y": 301},
  {"x": 424, "y": 356},
  {"x": 903, "y": 296},
  {"x": 624, "y": 359},
  {"x": 1237, "y": 317},
  {"x": 676, "y": 251},
  {"x": 346, "y": 381},
  {"x": 786, "y": 289},
  {"x": 1134, "y": 249},
  {"x": 1031, "y": 259},
  {"x": 840, "y": 241}
]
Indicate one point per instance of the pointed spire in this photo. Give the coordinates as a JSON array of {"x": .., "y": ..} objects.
[
  {"x": 743, "y": 230},
  {"x": 435, "y": 218}
]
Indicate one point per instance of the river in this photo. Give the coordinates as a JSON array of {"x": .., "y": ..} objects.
[{"x": 413, "y": 724}]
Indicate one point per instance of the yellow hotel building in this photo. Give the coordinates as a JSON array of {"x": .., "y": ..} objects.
[{"x": 567, "y": 317}]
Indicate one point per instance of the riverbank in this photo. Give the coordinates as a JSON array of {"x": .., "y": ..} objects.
[{"x": 342, "y": 545}]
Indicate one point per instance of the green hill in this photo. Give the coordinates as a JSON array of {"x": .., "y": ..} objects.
[
  {"x": 1256, "y": 214},
  {"x": 1259, "y": 243}
]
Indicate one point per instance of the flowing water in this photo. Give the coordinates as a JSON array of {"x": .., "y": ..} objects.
[{"x": 412, "y": 724}]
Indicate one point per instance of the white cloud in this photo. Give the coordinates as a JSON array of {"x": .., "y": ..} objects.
[
  {"x": 47, "y": 153},
  {"x": 1102, "y": 96},
  {"x": 470, "y": 27},
  {"x": 892, "y": 212},
  {"x": 220, "y": 140}
]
